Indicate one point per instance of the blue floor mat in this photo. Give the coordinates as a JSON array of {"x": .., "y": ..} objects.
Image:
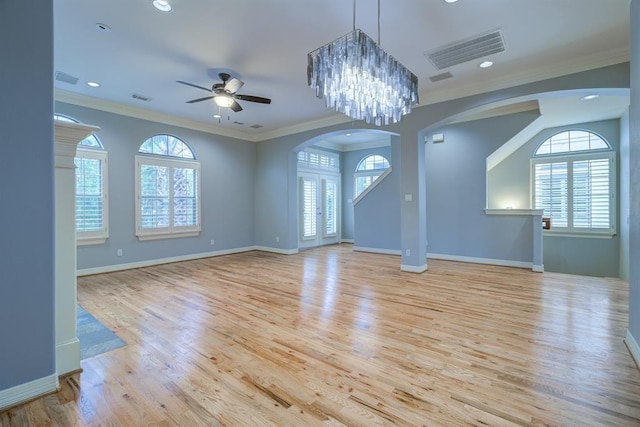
[{"x": 94, "y": 337}]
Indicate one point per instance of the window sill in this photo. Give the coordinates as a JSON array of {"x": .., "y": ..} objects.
[
  {"x": 531, "y": 212},
  {"x": 159, "y": 236},
  {"x": 606, "y": 235},
  {"x": 91, "y": 241}
]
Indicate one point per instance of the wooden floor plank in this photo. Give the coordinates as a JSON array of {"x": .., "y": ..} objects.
[{"x": 332, "y": 337}]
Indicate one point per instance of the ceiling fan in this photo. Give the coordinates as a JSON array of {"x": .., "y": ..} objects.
[{"x": 224, "y": 94}]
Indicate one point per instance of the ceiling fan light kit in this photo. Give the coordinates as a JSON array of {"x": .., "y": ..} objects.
[
  {"x": 358, "y": 78},
  {"x": 223, "y": 101}
]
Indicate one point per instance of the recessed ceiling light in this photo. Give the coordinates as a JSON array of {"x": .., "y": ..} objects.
[
  {"x": 347, "y": 134},
  {"x": 590, "y": 97},
  {"x": 450, "y": 1},
  {"x": 216, "y": 116},
  {"x": 486, "y": 64},
  {"x": 93, "y": 84},
  {"x": 162, "y": 5},
  {"x": 103, "y": 27}
]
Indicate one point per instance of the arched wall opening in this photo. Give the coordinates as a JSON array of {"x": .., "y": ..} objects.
[{"x": 350, "y": 145}]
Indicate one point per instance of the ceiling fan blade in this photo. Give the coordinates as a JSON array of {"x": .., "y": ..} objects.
[
  {"x": 235, "y": 107},
  {"x": 232, "y": 86},
  {"x": 199, "y": 99},
  {"x": 192, "y": 85},
  {"x": 253, "y": 99}
]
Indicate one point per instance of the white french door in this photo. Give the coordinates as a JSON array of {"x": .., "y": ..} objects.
[{"x": 319, "y": 212}]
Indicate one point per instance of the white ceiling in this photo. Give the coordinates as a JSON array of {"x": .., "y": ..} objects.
[{"x": 265, "y": 44}]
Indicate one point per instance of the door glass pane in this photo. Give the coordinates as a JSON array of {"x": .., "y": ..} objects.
[
  {"x": 330, "y": 207},
  {"x": 309, "y": 214}
]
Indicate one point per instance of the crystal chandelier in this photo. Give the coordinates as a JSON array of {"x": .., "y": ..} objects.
[{"x": 357, "y": 78}]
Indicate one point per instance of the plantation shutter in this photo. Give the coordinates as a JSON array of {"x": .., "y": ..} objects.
[
  {"x": 89, "y": 195},
  {"x": 591, "y": 193},
  {"x": 330, "y": 207},
  {"x": 551, "y": 192},
  {"x": 308, "y": 197}
]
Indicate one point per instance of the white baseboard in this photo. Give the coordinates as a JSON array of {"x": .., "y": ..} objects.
[
  {"x": 538, "y": 268},
  {"x": 633, "y": 347},
  {"x": 347, "y": 241},
  {"x": 149, "y": 263},
  {"x": 276, "y": 250},
  {"x": 68, "y": 357},
  {"x": 377, "y": 250},
  {"x": 28, "y": 391},
  {"x": 490, "y": 261},
  {"x": 413, "y": 268}
]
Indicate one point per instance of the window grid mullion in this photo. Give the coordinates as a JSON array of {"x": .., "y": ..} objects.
[
  {"x": 570, "y": 195},
  {"x": 171, "y": 207}
]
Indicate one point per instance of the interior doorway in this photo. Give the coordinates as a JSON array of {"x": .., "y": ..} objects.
[{"x": 319, "y": 209}]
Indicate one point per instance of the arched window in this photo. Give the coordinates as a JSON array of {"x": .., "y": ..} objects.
[
  {"x": 167, "y": 189},
  {"x": 91, "y": 189},
  {"x": 367, "y": 171},
  {"x": 166, "y": 145},
  {"x": 573, "y": 175}
]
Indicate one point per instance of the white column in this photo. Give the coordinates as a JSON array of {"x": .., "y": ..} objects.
[{"x": 67, "y": 137}]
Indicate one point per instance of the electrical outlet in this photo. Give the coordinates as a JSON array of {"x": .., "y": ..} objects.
[
  {"x": 213, "y": 242},
  {"x": 407, "y": 252},
  {"x": 278, "y": 239},
  {"x": 119, "y": 252}
]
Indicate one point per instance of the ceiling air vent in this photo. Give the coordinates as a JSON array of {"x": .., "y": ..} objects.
[
  {"x": 140, "y": 97},
  {"x": 466, "y": 50},
  {"x": 439, "y": 77},
  {"x": 65, "y": 78},
  {"x": 256, "y": 126}
]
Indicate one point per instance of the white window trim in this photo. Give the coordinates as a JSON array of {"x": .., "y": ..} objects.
[
  {"x": 84, "y": 238},
  {"x": 170, "y": 231},
  {"x": 570, "y": 231}
]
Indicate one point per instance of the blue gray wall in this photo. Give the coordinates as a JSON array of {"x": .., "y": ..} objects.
[
  {"x": 276, "y": 167},
  {"x": 634, "y": 167},
  {"x": 27, "y": 349},
  {"x": 377, "y": 215},
  {"x": 350, "y": 161},
  {"x": 456, "y": 192},
  {"x": 227, "y": 170},
  {"x": 511, "y": 180},
  {"x": 623, "y": 196}
]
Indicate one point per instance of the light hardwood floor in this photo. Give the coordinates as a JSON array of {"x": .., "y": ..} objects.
[{"x": 333, "y": 337}]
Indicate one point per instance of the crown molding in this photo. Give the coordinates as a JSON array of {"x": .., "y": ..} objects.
[
  {"x": 353, "y": 147},
  {"x": 145, "y": 114},
  {"x": 334, "y": 119},
  {"x": 584, "y": 63}
]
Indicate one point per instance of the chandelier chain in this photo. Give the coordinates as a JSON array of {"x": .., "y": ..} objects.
[{"x": 378, "y": 22}]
